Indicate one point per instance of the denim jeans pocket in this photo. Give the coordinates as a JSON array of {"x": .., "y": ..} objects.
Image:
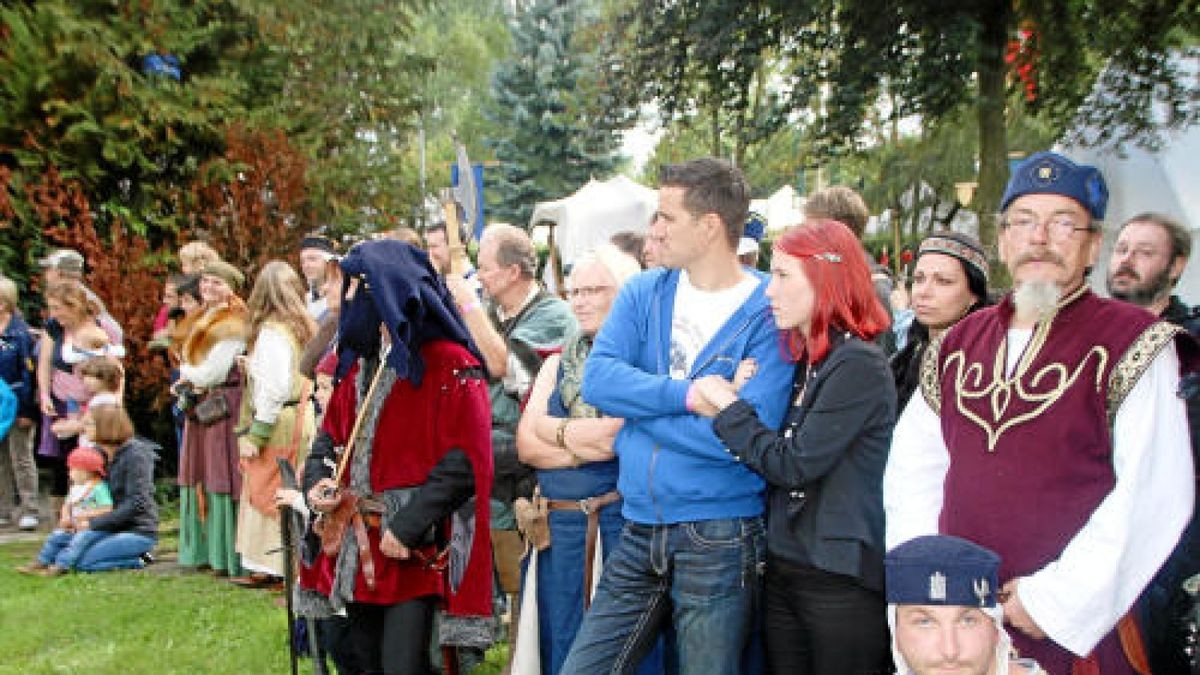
[
  {"x": 719, "y": 557},
  {"x": 722, "y": 533}
]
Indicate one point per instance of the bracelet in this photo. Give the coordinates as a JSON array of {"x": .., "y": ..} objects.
[
  {"x": 468, "y": 308},
  {"x": 576, "y": 460},
  {"x": 561, "y": 436}
]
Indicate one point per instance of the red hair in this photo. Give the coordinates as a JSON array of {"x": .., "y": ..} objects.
[{"x": 844, "y": 296}]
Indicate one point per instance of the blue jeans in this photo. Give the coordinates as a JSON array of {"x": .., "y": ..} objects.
[
  {"x": 115, "y": 551},
  {"x": 700, "y": 582},
  {"x": 62, "y": 548}
]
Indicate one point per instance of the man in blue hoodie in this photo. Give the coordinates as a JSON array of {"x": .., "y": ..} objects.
[{"x": 690, "y": 559}]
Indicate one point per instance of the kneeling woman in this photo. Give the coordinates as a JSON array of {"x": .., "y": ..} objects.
[
  {"x": 125, "y": 534},
  {"x": 824, "y": 467}
]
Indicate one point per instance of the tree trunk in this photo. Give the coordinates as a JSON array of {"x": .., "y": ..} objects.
[
  {"x": 716, "y": 128},
  {"x": 993, "y": 140}
]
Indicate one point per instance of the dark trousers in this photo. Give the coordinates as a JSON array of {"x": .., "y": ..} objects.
[
  {"x": 819, "y": 623},
  {"x": 391, "y": 639},
  {"x": 333, "y": 641}
]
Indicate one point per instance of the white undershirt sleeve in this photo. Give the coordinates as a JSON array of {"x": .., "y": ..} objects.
[
  {"x": 915, "y": 474},
  {"x": 215, "y": 367},
  {"x": 1080, "y": 597}
]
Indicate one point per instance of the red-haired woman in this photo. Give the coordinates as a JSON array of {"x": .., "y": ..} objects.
[{"x": 824, "y": 466}]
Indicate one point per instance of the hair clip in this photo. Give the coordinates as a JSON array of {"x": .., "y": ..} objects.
[{"x": 828, "y": 257}]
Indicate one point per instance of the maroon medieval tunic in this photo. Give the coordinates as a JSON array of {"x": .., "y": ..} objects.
[{"x": 1031, "y": 453}]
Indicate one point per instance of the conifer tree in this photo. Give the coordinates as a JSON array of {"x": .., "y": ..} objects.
[{"x": 555, "y": 128}]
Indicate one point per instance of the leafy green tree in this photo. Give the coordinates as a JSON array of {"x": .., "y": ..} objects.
[
  {"x": 777, "y": 160},
  {"x": 938, "y": 59},
  {"x": 831, "y": 62},
  {"x": 342, "y": 78},
  {"x": 555, "y": 126},
  {"x": 74, "y": 95},
  {"x": 706, "y": 64},
  {"x": 463, "y": 41}
]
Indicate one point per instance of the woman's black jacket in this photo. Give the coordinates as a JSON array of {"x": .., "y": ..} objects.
[
  {"x": 131, "y": 481},
  {"x": 824, "y": 467}
]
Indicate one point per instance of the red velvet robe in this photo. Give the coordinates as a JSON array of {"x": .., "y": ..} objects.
[{"x": 417, "y": 427}]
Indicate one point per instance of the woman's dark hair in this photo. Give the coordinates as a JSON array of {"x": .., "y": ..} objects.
[{"x": 630, "y": 242}]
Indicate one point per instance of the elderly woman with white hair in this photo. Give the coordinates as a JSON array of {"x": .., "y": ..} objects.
[{"x": 570, "y": 443}]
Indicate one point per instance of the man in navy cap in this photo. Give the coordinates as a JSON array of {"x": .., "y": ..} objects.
[
  {"x": 749, "y": 244},
  {"x": 943, "y": 610},
  {"x": 1048, "y": 430}
]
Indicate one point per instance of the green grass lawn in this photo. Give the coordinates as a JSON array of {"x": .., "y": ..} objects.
[
  {"x": 147, "y": 621},
  {"x": 134, "y": 622}
]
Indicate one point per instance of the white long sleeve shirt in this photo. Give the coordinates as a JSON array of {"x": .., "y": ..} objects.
[
  {"x": 270, "y": 368},
  {"x": 215, "y": 367},
  {"x": 1080, "y": 597}
]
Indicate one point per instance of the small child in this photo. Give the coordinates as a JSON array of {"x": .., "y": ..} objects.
[
  {"x": 160, "y": 335},
  {"x": 103, "y": 380},
  {"x": 89, "y": 497},
  {"x": 325, "y": 370},
  {"x": 308, "y": 603},
  {"x": 88, "y": 342}
]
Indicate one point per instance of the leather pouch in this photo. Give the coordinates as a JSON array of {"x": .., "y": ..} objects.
[{"x": 533, "y": 519}]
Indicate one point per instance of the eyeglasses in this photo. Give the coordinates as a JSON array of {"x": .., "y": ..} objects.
[
  {"x": 1059, "y": 226},
  {"x": 586, "y": 291}
]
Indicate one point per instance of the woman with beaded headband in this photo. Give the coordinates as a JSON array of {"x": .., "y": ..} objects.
[{"x": 949, "y": 281}]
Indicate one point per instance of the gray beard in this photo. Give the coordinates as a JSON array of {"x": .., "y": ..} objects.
[{"x": 1035, "y": 300}]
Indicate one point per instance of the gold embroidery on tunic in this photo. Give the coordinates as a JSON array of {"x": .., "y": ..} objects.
[
  {"x": 1135, "y": 361},
  {"x": 1040, "y": 389},
  {"x": 930, "y": 382}
]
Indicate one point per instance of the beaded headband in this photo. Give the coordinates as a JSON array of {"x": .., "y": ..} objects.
[{"x": 968, "y": 254}]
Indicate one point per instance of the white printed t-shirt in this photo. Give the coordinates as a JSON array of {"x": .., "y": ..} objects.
[{"x": 698, "y": 315}]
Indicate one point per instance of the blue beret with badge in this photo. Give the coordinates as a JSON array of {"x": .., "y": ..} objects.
[
  {"x": 941, "y": 570},
  {"x": 1051, "y": 173}
]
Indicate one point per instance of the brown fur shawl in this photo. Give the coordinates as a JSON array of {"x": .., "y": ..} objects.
[{"x": 223, "y": 323}]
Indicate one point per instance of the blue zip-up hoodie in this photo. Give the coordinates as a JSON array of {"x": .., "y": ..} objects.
[
  {"x": 673, "y": 468},
  {"x": 17, "y": 364}
]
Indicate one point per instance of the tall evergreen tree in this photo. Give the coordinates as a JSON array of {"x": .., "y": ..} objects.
[{"x": 555, "y": 127}]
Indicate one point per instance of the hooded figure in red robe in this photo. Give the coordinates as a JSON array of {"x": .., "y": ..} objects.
[{"x": 401, "y": 470}]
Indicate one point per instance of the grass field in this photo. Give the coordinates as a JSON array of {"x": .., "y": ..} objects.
[
  {"x": 134, "y": 622},
  {"x": 158, "y": 620}
]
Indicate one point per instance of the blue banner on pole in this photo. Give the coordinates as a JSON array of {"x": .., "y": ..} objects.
[{"x": 478, "y": 218}]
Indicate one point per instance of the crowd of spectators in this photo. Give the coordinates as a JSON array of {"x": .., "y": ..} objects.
[{"x": 677, "y": 463}]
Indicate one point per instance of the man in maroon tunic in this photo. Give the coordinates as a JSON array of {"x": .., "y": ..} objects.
[
  {"x": 1049, "y": 432},
  {"x": 404, "y": 526}
]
